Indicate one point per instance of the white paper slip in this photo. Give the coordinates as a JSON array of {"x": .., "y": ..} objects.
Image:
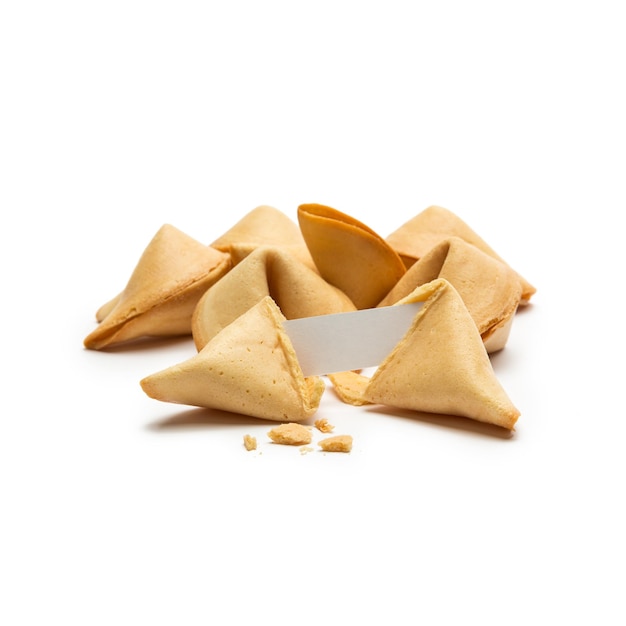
[{"x": 348, "y": 341}]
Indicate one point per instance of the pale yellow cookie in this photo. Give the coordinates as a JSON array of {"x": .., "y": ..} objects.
[
  {"x": 267, "y": 271},
  {"x": 440, "y": 366},
  {"x": 490, "y": 289},
  {"x": 250, "y": 367},
  {"x": 171, "y": 276},
  {"x": 263, "y": 226},
  {"x": 416, "y": 237}
]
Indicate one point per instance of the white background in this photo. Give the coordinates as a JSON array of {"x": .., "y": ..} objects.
[{"x": 117, "y": 117}]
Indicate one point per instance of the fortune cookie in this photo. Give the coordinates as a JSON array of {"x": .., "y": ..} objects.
[
  {"x": 349, "y": 254},
  {"x": 298, "y": 291},
  {"x": 423, "y": 232},
  {"x": 171, "y": 276},
  {"x": 490, "y": 289},
  {"x": 250, "y": 367},
  {"x": 439, "y": 366},
  {"x": 263, "y": 226}
]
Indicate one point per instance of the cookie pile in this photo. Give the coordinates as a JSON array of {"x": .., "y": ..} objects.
[{"x": 233, "y": 295}]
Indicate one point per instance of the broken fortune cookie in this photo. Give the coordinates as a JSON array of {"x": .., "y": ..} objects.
[
  {"x": 250, "y": 367},
  {"x": 439, "y": 366}
]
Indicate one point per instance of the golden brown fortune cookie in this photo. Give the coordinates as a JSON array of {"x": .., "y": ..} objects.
[
  {"x": 171, "y": 276},
  {"x": 298, "y": 291},
  {"x": 349, "y": 254},
  {"x": 490, "y": 289},
  {"x": 423, "y": 232},
  {"x": 263, "y": 226},
  {"x": 250, "y": 368},
  {"x": 439, "y": 366}
]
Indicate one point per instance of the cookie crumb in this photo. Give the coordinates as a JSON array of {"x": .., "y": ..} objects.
[
  {"x": 305, "y": 450},
  {"x": 290, "y": 434},
  {"x": 339, "y": 443},
  {"x": 324, "y": 426},
  {"x": 249, "y": 442}
]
